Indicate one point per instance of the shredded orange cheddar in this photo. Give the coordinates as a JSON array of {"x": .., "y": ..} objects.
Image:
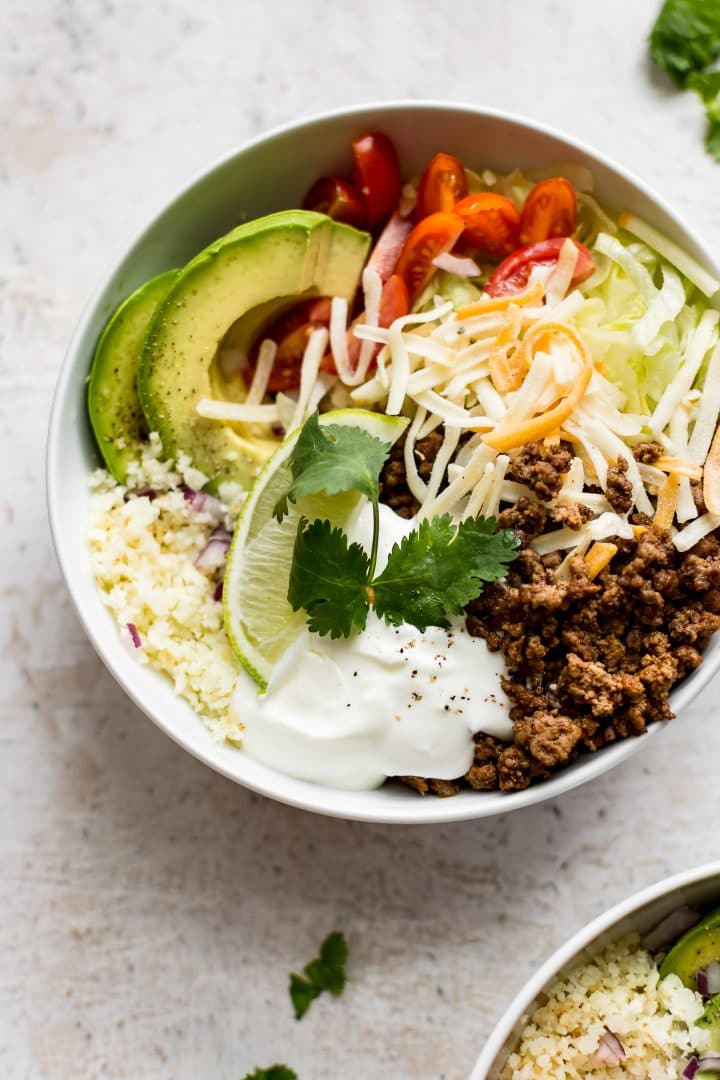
[
  {"x": 509, "y": 434},
  {"x": 598, "y": 557},
  {"x": 667, "y": 502}
]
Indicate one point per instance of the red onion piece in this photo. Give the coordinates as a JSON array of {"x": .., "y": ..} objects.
[
  {"x": 610, "y": 1048},
  {"x": 385, "y": 254},
  {"x": 139, "y": 493},
  {"x": 453, "y": 264},
  {"x": 134, "y": 636},
  {"x": 669, "y": 929},
  {"x": 708, "y": 980},
  {"x": 202, "y": 502},
  {"x": 690, "y": 1069},
  {"x": 214, "y": 554},
  {"x": 217, "y": 595}
]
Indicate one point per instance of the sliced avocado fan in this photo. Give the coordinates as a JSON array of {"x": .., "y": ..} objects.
[
  {"x": 261, "y": 264},
  {"x": 115, "y": 412},
  {"x": 695, "y": 950}
]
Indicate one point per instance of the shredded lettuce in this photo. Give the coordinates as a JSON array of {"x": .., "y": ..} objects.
[{"x": 641, "y": 317}]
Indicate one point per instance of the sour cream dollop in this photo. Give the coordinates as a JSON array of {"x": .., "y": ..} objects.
[{"x": 391, "y": 701}]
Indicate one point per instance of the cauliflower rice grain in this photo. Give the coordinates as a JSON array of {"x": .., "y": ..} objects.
[
  {"x": 143, "y": 551},
  {"x": 619, "y": 989}
]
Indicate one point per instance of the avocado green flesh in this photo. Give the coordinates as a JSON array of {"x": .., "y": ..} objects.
[
  {"x": 696, "y": 949},
  {"x": 273, "y": 259},
  {"x": 113, "y": 404}
]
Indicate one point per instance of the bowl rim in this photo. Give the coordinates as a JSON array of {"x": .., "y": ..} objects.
[
  {"x": 316, "y": 798},
  {"x": 583, "y": 939}
]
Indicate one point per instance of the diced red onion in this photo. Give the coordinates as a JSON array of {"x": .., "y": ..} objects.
[
  {"x": 385, "y": 254},
  {"x": 708, "y": 980},
  {"x": 454, "y": 264},
  {"x": 709, "y": 1063},
  {"x": 214, "y": 554},
  {"x": 139, "y": 493},
  {"x": 610, "y": 1048},
  {"x": 217, "y": 595},
  {"x": 278, "y": 430},
  {"x": 134, "y": 636},
  {"x": 690, "y": 1069},
  {"x": 202, "y": 502},
  {"x": 671, "y": 928}
]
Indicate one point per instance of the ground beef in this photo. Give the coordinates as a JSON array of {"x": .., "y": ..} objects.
[
  {"x": 619, "y": 489},
  {"x": 647, "y": 453},
  {"x": 593, "y": 662},
  {"x": 588, "y": 662},
  {"x": 573, "y": 516},
  {"x": 393, "y": 482},
  {"x": 541, "y": 467}
]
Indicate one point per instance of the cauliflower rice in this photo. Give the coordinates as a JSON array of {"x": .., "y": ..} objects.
[
  {"x": 619, "y": 989},
  {"x": 143, "y": 549}
]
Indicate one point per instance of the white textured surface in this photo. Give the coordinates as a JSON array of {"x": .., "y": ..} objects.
[{"x": 151, "y": 910}]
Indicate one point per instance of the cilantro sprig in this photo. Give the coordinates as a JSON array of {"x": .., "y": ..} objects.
[
  {"x": 325, "y": 972},
  {"x": 430, "y": 575},
  {"x": 685, "y": 42},
  {"x": 274, "y": 1072}
]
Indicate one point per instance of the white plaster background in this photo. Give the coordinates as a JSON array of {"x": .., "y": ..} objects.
[{"x": 151, "y": 910}]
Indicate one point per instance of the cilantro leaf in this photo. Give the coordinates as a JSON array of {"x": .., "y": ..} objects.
[
  {"x": 302, "y": 994},
  {"x": 328, "y": 578},
  {"x": 274, "y": 1072},
  {"x": 440, "y": 567},
  {"x": 686, "y": 37},
  {"x": 332, "y": 460},
  {"x": 707, "y": 85},
  {"x": 325, "y": 972},
  {"x": 328, "y": 970}
]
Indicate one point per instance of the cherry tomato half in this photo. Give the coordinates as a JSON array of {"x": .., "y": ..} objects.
[
  {"x": 512, "y": 275},
  {"x": 434, "y": 235},
  {"x": 291, "y": 332},
  {"x": 376, "y": 174},
  {"x": 394, "y": 301},
  {"x": 492, "y": 223},
  {"x": 338, "y": 199},
  {"x": 441, "y": 185},
  {"x": 550, "y": 210}
]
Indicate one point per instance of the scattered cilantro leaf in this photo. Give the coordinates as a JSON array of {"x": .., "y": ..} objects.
[
  {"x": 274, "y": 1072},
  {"x": 331, "y": 460},
  {"x": 302, "y": 994},
  {"x": 686, "y": 37},
  {"x": 328, "y": 969},
  {"x": 707, "y": 85},
  {"x": 325, "y": 972},
  {"x": 439, "y": 567},
  {"x": 711, "y": 1017},
  {"x": 328, "y": 578}
]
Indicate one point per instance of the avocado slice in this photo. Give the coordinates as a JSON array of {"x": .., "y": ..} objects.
[
  {"x": 696, "y": 949},
  {"x": 254, "y": 270},
  {"x": 113, "y": 403}
]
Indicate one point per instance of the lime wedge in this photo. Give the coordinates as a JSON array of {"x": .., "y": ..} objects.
[{"x": 258, "y": 618}]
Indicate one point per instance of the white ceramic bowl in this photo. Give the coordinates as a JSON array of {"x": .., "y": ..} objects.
[
  {"x": 640, "y": 913},
  {"x": 272, "y": 173}
]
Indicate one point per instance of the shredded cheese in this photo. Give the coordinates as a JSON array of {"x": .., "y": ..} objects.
[
  {"x": 236, "y": 412},
  {"x": 598, "y": 557}
]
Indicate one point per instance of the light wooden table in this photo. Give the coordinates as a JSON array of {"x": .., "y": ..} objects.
[{"x": 151, "y": 910}]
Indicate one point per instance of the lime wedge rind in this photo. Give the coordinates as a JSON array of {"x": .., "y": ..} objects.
[{"x": 259, "y": 621}]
